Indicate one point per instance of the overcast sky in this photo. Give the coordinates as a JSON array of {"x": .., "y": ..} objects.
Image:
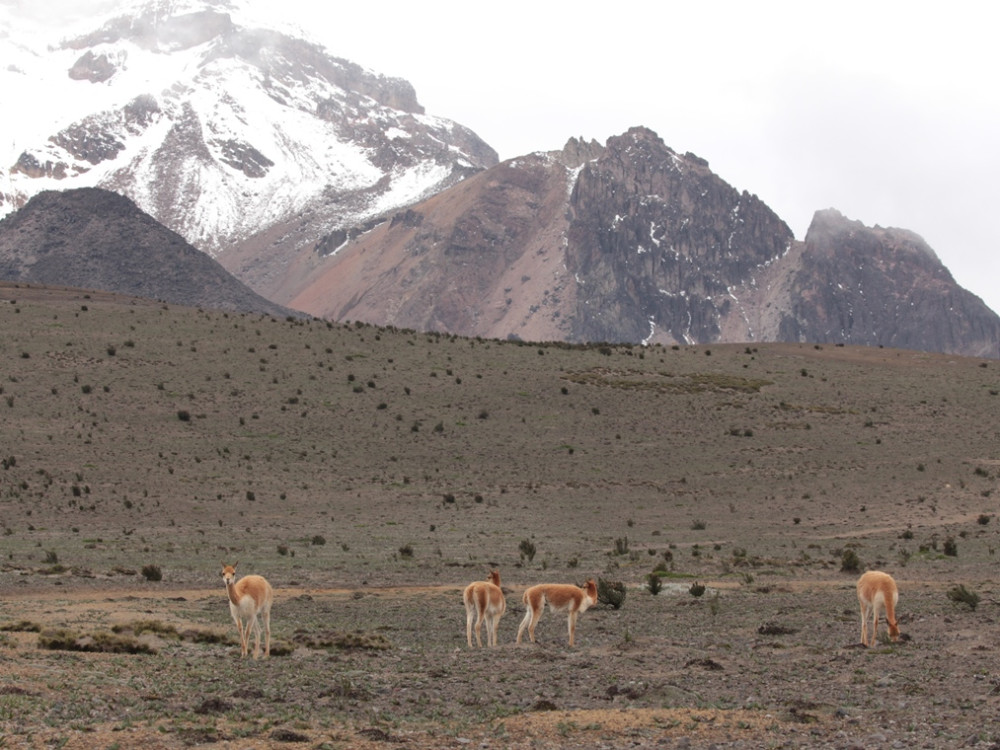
[{"x": 886, "y": 111}]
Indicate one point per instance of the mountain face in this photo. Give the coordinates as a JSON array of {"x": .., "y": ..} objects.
[
  {"x": 881, "y": 287},
  {"x": 220, "y": 130},
  {"x": 632, "y": 241},
  {"x": 96, "y": 239},
  {"x": 626, "y": 242},
  {"x": 327, "y": 188}
]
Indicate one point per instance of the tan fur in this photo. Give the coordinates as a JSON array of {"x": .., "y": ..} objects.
[
  {"x": 561, "y": 597},
  {"x": 877, "y": 590},
  {"x": 486, "y": 601},
  {"x": 249, "y": 597}
]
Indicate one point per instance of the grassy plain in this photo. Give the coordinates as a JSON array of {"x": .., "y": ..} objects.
[{"x": 371, "y": 473}]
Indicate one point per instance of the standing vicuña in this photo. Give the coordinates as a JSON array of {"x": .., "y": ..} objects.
[
  {"x": 561, "y": 597},
  {"x": 248, "y": 597},
  {"x": 877, "y": 590},
  {"x": 486, "y": 600}
]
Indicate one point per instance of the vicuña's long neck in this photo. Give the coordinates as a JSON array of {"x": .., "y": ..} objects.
[{"x": 231, "y": 590}]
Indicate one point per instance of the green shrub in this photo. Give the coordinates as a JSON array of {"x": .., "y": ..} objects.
[
  {"x": 67, "y": 640},
  {"x": 654, "y": 582},
  {"x": 611, "y": 593},
  {"x": 961, "y": 595},
  {"x": 152, "y": 573},
  {"x": 849, "y": 562},
  {"x": 527, "y": 549}
]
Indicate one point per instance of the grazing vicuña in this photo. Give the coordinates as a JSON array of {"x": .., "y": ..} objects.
[
  {"x": 561, "y": 597},
  {"x": 877, "y": 590},
  {"x": 484, "y": 599},
  {"x": 249, "y": 597}
]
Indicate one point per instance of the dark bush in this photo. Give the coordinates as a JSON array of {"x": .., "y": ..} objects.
[
  {"x": 849, "y": 562},
  {"x": 961, "y": 595},
  {"x": 654, "y": 582},
  {"x": 611, "y": 593},
  {"x": 527, "y": 549}
]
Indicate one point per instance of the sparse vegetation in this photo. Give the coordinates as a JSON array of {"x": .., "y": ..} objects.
[
  {"x": 849, "y": 561},
  {"x": 961, "y": 595},
  {"x": 527, "y": 550},
  {"x": 110, "y": 481},
  {"x": 654, "y": 583},
  {"x": 611, "y": 593}
]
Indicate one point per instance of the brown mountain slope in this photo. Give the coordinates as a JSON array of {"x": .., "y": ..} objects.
[{"x": 483, "y": 259}]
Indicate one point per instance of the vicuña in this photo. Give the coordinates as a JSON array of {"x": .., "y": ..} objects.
[
  {"x": 249, "y": 597},
  {"x": 486, "y": 601},
  {"x": 561, "y": 597},
  {"x": 877, "y": 591}
]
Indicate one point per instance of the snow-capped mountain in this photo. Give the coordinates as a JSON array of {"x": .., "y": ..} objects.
[
  {"x": 326, "y": 188},
  {"x": 218, "y": 128}
]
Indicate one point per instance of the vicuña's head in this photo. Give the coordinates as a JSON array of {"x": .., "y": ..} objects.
[
  {"x": 229, "y": 572},
  {"x": 494, "y": 577},
  {"x": 894, "y": 630},
  {"x": 591, "y": 587}
]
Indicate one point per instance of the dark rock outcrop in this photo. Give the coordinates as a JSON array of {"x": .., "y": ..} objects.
[
  {"x": 96, "y": 239},
  {"x": 656, "y": 240},
  {"x": 882, "y": 287}
]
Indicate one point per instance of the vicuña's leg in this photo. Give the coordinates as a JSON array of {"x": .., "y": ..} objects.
[
  {"x": 529, "y": 618},
  {"x": 479, "y": 628},
  {"x": 491, "y": 629},
  {"x": 468, "y": 624},
  {"x": 572, "y": 627},
  {"x": 536, "y": 615},
  {"x": 255, "y": 625}
]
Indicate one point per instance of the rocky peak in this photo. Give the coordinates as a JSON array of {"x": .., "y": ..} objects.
[
  {"x": 577, "y": 152},
  {"x": 634, "y": 242},
  {"x": 659, "y": 239},
  {"x": 830, "y": 232},
  {"x": 881, "y": 287}
]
